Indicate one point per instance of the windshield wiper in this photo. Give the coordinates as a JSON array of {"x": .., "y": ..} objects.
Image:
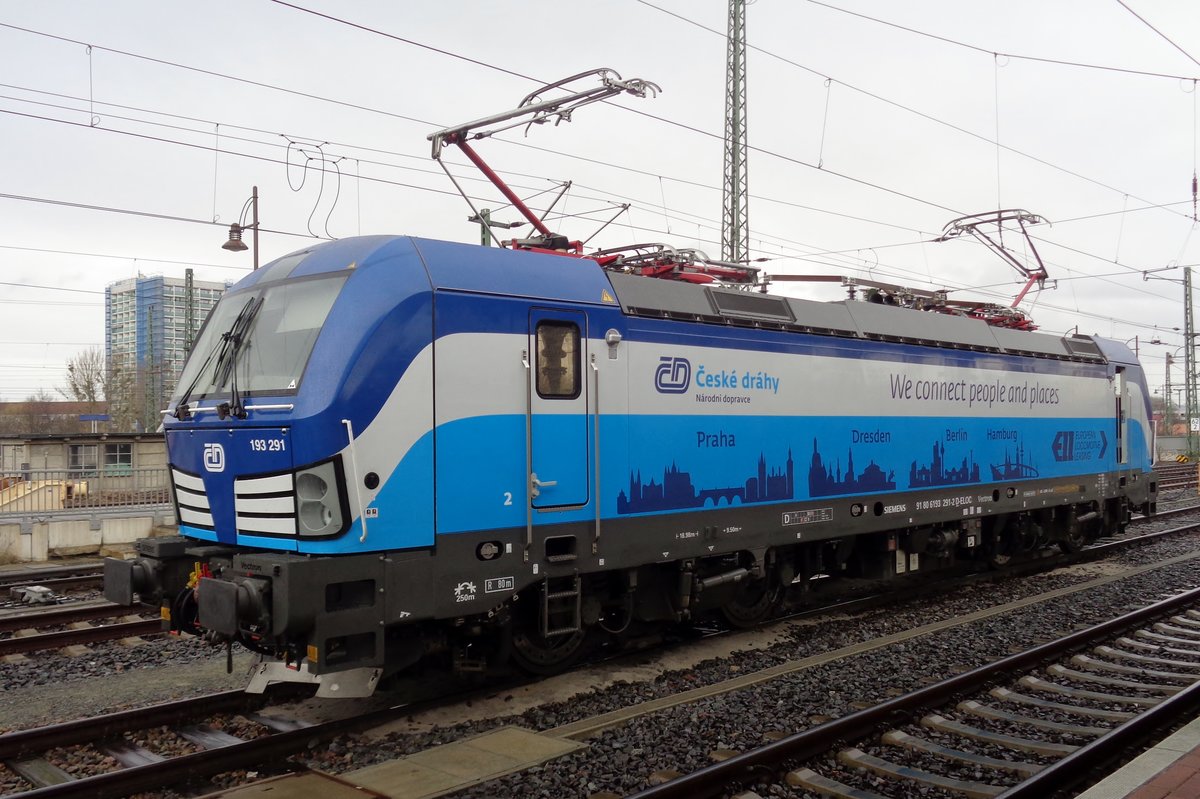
[
  {"x": 224, "y": 350},
  {"x": 235, "y": 340}
]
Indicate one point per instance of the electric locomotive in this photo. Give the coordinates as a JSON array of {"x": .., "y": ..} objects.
[{"x": 384, "y": 449}]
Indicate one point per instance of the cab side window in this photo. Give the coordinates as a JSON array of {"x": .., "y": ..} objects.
[{"x": 557, "y": 360}]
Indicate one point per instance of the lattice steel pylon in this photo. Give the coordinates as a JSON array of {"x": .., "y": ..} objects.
[
  {"x": 735, "y": 225},
  {"x": 1189, "y": 363},
  {"x": 189, "y": 311}
]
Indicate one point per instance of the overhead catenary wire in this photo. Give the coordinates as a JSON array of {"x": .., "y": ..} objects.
[
  {"x": 311, "y": 96},
  {"x": 51, "y": 288},
  {"x": 289, "y": 233},
  {"x": 663, "y": 209},
  {"x": 262, "y": 158},
  {"x": 425, "y": 158},
  {"x": 137, "y": 258},
  {"x": 1016, "y": 56},
  {"x": 901, "y": 106},
  {"x": 409, "y": 168},
  {"x": 490, "y": 66},
  {"x": 890, "y": 272},
  {"x": 479, "y": 63},
  {"x": 752, "y": 148},
  {"x": 818, "y": 209},
  {"x": 640, "y": 112},
  {"x": 513, "y": 73},
  {"x": 1167, "y": 38},
  {"x": 134, "y": 212},
  {"x": 885, "y": 271},
  {"x": 473, "y": 61},
  {"x": 853, "y": 268}
]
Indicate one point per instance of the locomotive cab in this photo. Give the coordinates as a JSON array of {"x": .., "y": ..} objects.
[
  {"x": 261, "y": 439},
  {"x": 238, "y": 484}
]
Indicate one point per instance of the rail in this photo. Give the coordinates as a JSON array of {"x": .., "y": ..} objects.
[
  {"x": 813, "y": 742},
  {"x": 47, "y": 492}
]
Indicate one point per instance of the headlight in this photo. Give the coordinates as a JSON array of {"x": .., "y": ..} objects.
[{"x": 319, "y": 505}]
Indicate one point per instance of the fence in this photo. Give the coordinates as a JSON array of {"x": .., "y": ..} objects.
[{"x": 45, "y": 492}]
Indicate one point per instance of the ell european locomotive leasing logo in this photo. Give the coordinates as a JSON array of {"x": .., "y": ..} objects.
[
  {"x": 214, "y": 457},
  {"x": 673, "y": 375}
]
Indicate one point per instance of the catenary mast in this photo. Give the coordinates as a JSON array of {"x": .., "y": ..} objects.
[
  {"x": 735, "y": 226},
  {"x": 1189, "y": 362}
]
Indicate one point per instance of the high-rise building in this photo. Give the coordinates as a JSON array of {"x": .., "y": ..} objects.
[{"x": 149, "y": 326}]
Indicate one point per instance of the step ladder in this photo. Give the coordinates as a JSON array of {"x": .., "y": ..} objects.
[{"x": 562, "y": 601}]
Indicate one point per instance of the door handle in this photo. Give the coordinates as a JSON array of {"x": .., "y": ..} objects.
[{"x": 535, "y": 484}]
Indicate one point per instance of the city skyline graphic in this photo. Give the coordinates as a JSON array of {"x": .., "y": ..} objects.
[{"x": 677, "y": 492}]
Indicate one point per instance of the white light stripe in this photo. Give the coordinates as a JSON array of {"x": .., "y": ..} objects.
[
  {"x": 260, "y": 525},
  {"x": 189, "y": 516},
  {"x": 284, "y": 506},
  {"x": 190, "y": 482},
  {"x": 264, "y": 485}
]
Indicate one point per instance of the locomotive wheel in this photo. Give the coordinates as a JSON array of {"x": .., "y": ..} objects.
[
  {"x": 539, "y": 655},
  {"x": 751, "y": 605},
  {"x": 1073, "y": 538}
]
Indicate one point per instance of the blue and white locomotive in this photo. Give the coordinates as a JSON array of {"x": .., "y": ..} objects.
[{"x": 388, "y": 448}]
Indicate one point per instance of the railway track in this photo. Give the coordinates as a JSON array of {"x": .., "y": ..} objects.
[
  {"x": 1176, "y": 475},
  {"x": 1055, "y": 723},
  {"x": 173, "y": 743},
  {"x": 680, "y": 728},
  {"x": 136, "y": 627},
  {"x": 36, "y": 755},
  {"x": 67, "y": 577},
  {"x": 27, "y": 640},
  {"x": 72, "y": 576},
  {"x": 605, "y": 724},
  {"x": 60, "y": 614},
  {"x": 39, "y": 629},
  {"x": 16, "y": 747}
]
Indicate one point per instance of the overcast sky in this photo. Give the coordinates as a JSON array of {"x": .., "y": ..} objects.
[{"x": 866, "y": 140}]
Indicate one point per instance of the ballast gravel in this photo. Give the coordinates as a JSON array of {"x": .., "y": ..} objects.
[{"x": 681, "y": 738}]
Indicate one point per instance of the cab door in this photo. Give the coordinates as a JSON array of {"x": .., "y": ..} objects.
[
  {"x": 558, "y": 407},
  {"x": 1122, "y": 399}
]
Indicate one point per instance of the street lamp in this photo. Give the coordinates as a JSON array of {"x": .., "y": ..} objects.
[{"x": 235, "y": 243}]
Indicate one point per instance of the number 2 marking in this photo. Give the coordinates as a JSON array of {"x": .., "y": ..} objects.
[{"x": 507, "y": 497}]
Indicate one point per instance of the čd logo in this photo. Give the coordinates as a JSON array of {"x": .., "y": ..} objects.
[
  {"x": 673, "y": 375},
  {"x": 214, "y": 457}
]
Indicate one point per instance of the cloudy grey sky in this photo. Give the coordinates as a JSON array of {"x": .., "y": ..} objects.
[{"x": 133, "y": 130}]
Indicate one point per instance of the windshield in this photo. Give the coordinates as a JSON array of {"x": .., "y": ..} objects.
[{"x": 270, "y": 354}]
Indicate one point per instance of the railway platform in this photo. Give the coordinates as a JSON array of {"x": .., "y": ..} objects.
[{"x": 1170, "y": 770}]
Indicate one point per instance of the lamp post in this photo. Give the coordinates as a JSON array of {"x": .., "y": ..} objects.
[{"x": 235, "y": 243}]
